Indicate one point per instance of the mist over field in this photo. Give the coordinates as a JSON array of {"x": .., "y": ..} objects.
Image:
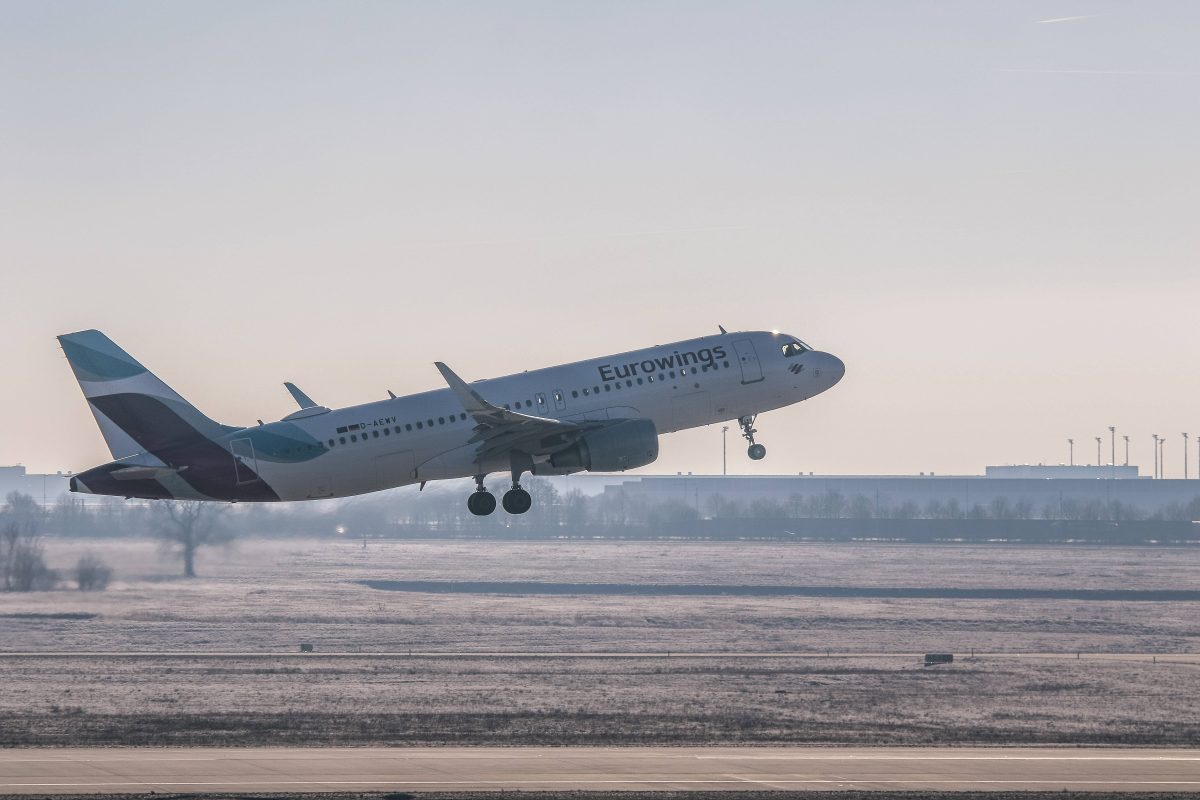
[{"x": 158, "y": 658}]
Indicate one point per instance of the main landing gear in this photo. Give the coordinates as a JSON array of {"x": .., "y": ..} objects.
[
  {"x": 756, "y": 451},
  {"x": 481, "y": 502},
  {"x": 516, "y": 500}
]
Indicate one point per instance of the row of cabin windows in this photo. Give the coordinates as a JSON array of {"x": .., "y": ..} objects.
[
  {"x": 608, "y": 387},
  {"x": 398, "y": 429},
  {"x": 629, "y": 382},
  {"x": 558, "y": 398}
]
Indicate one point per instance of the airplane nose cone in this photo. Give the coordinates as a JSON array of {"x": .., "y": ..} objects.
[
  {"x": 827, "y": 370},
  {"x": 833, "y": 367}
]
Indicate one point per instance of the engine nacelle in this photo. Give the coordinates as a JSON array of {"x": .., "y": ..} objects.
[{"x": 626, "y": 445}]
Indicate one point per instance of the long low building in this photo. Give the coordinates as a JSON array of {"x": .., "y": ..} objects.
[
  {"x": 44, "y": 488},
  {"x": 1022, "y": 493}
]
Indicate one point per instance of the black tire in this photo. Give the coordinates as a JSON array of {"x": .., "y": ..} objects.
[
  {"x": 481, "y": 503},
  {"x": 517, "y": 501},
  {"x": 756, "y": 452}
]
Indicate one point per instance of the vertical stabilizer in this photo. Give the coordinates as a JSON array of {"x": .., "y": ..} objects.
[{"x": 135, "y": 410}]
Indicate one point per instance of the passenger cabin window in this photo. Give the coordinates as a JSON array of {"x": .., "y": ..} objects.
[{"x": 794, "y": 348}]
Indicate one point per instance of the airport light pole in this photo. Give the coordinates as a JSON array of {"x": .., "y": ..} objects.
[
  {"x": 724, "y": 462},
  {"x": 1162, "y": 458},
  {"x": 1185, "y": 447},
  {"x": 1155, "y": 435},
  {"x": 1071, "y": 450},
  {"x": 1112, "y": 440},
  {"x": 1126, "y": 438},
  {"x": 1099, "y": 442}
]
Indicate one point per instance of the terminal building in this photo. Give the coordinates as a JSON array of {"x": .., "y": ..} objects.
[
  {"x": 1034, "y": 491},
  {"x": 45, "y": 489}
]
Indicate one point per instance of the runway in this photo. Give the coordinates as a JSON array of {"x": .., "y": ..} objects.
[
  {"x": 123, "y": 770},
  {"x": 271, "y": 655}
]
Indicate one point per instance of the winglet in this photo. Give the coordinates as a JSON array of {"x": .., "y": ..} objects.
[
  {"x": 303, "y": 400},
  {"x": 470, "y": 399}
]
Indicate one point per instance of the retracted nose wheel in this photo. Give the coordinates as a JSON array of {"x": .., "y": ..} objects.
[
  {"x": 756, "y": 452},
  {"x": 517, "y": 501},
  {"x": 481, "y": 502}
]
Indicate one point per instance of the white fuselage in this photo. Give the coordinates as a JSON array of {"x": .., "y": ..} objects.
[{"x": 426, "y": 436}]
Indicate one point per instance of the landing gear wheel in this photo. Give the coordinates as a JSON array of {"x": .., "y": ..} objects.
[
  {"x": 481, "y": 502},
  {"x": 756, "y": 451},
  {"x": 517, "y": 501}
]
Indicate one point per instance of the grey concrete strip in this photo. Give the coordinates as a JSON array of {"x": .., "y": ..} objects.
[
  {"x": 1178, "y": 658},
  {"x": 122, "y": 770}
]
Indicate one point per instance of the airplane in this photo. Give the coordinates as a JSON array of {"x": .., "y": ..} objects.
[{"x": 601, "y": 415}]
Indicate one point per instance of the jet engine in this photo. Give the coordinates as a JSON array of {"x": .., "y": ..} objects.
[{"x": 625, "y": 445}]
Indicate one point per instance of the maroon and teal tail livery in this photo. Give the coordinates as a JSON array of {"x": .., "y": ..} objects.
[{"x": 163, "y": 446}]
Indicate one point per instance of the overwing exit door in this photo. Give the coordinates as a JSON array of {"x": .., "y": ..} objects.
[{"x": 748, "y": 361}]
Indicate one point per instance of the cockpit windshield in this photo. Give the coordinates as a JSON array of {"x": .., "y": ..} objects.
[{"x": 794, "y": 348}]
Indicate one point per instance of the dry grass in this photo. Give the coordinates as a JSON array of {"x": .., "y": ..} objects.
[
  {"x": 269, "y": 596},
  {"x": 750, "y": 794},
  {"x": 232, "y": 701}
]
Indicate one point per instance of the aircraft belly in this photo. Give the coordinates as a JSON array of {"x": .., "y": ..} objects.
[
  {"x": 456, "y": 463},
  {"x": 394, "y": 469},
  {"x": 297, "y": 481},
  {"x": 691, "y": 410}
]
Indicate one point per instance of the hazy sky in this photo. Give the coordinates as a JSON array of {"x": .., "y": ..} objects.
[{"x": 987, "y": 209}]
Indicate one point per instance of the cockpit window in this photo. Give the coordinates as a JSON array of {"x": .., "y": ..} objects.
[{"x": 795, "y": 348}]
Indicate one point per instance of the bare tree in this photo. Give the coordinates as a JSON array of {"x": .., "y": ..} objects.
[
  {"x": 22, "y": 564},
  {"x": 188, "y": 525}
]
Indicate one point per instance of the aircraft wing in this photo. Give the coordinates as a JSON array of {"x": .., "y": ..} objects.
[{"x": 499, "y": 430}]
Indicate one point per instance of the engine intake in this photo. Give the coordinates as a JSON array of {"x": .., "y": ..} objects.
[{"x": 626, "y": 445}]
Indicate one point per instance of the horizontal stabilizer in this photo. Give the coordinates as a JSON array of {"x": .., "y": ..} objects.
[{"x": 145, "y": 473}]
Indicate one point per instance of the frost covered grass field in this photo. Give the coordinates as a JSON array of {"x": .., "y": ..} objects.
[{"x": 262, "y": 598}]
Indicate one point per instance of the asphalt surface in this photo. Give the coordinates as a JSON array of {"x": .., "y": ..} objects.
[
  {"x": 766, "y": 590},
  {"x": 124, "y": 770},
  {"x": 1165, "y": 658}
]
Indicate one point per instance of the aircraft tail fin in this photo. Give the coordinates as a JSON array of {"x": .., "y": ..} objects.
[{"x": 135, "y": 410}]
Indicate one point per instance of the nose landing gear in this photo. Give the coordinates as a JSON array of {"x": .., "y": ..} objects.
[{"x": 756, "y": 451}]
